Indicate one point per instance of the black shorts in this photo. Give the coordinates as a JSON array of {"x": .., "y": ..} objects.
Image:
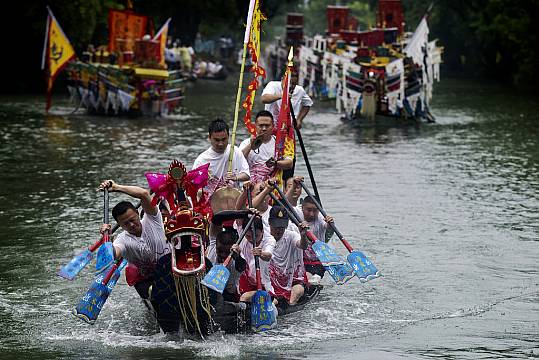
[{"x": 317, "y": 269}]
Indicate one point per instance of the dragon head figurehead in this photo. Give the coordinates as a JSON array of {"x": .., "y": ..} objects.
[{"x": 186, "y": 230}]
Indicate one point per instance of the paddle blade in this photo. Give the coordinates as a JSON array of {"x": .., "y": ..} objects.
[
  {"x": 326, "y": 254},
  {"x": 92, "y": 302},
  {"x": 71, "y": 269},
  {"x": 105, "y": 257},
  {"x": 341, "y": 273},
  {"x": 263, "y": 313},
  {"x": 363, "y": 267},
  {"x": 217, "y": 278}
]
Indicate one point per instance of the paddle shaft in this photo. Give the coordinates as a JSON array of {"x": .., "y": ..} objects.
[
  {"x": 253, "y": 234},
  {"x": 227, "y": 260},
  {"x": 292, "y": 214},
  {"x": 303, "y": 151},
  {"x": 106, "y": 234},
  {"x": 112, "y": 269},
  {"x": 98, "y": 243},
  {"x": 324, "y": 214}
]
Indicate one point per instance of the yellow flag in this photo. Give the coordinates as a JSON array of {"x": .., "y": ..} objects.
[
  {"x": 57, "y": 53},
  {"x": 161, "y": 36},
  {"x": 60, "y": 50}
]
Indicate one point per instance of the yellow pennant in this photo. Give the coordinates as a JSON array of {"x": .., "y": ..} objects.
[{"x": 60, "y": 50}]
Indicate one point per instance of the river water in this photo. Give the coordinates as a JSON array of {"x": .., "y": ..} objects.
[{"x": 449, "y": 213}]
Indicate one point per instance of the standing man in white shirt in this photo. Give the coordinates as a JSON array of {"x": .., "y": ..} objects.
[
  {"x": 301, "y": 104},
  {"x": 217, "y": 156},
  {"x": 260, "y": 150},
  {"x": 301, "y": 101}
]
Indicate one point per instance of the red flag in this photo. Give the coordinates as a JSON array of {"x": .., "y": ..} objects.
[{"x": 284, "y": 137}]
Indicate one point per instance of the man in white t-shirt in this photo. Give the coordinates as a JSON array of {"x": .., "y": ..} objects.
[
  {"x": 260, "y": 150},
  {"x": 263, "y": 248},
  {"x": 142, "y": 242},
  {"x": 308, "y": 212},
  {"x": 287, "y": 271},
  {"x": 217, "y": 156},
  {"x": 301, "y": 101}
]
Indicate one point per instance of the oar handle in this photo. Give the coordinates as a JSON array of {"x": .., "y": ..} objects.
[
  {"x": 253, "y": 234},
  {"x": 105, "y": 206},
  {"x": 291, "y": 214},
  {"x": 303, "y": 151},
  {"x": 324, "y": 214},
  {"x": 242, "y": 235},
  {"x": 111, "y": 271}
]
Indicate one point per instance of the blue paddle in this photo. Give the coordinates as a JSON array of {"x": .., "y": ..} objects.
[
  {"x": 341, "y": 271},
  {"x": 92, "y": 302},
  {"x": 217, "y": 277},
  {"x": 364, "y": 269},
  {"x": 105, "y": 254},
  {"x": 263, "y": 313},
  {"x": 72, "y": 268}
]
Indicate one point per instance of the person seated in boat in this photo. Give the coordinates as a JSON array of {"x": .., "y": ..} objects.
[
  {"x": 223, "y": 237},
  {"x": 301, "y": 101},
  {"x": 261, "y": 245},
  {"x": 259, "y": 150},
  {"x": 307, "y": 211},
  {"x": 143, "y": 242},
  {"x": 217, "y": 156},
  {"x": 286, "y": 268},
  {"x": 319, "y": 226},
  {"x": 293, "y": 193}
]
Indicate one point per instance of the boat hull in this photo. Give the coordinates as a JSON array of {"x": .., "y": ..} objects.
[{"x": 226, "y": 316}]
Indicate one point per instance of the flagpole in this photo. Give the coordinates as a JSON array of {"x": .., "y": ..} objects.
[
  {"x": 45, "y": 47},
  {"x": 161, "y": 29},
  {"x": 240, "y": 83}
]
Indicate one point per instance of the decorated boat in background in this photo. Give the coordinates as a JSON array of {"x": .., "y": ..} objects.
[
  {"x": 128, "y": 76},
  {"x": 374, "y": 75}
]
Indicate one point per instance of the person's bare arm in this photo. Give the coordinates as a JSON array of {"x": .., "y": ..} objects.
[
  {"x": 259, "y": 199},
  {"x": 241, "y": 201},
  {"x": 270, "y": 98},
  {"x": 290, "y": 192},
  {"x": 304, "y": 242},
  {"x": 284, "y": 164},
  {"x": 134, "y": 191},
  {"x": 302, "y": 113}
]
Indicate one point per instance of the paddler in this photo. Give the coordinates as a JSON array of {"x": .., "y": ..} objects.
[
  {"x": 143, "y": 242},
  {"x": 217, "y": 156},
  {"x": 287, "y": 271},
  {"x": 259, "y": 150},
  {"x": 307, "y": 211}
]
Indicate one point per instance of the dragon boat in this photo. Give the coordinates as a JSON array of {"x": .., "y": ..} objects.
[
  {"x": 177, "y": 297},
  {"x": 128, "y": 76},
  {"x": 380, "y": 75}
]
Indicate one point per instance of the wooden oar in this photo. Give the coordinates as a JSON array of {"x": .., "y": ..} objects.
[
  {"x": 303, "y": 151},
  {"x": 92, "y": 302},
  {"x": 364, "y": 269},
  {"x": 217, "y": 277},
  {"x": 263, "y": 314},
  {"x": 79, "y": 262},
  {"x": 340, "y": 271}
]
